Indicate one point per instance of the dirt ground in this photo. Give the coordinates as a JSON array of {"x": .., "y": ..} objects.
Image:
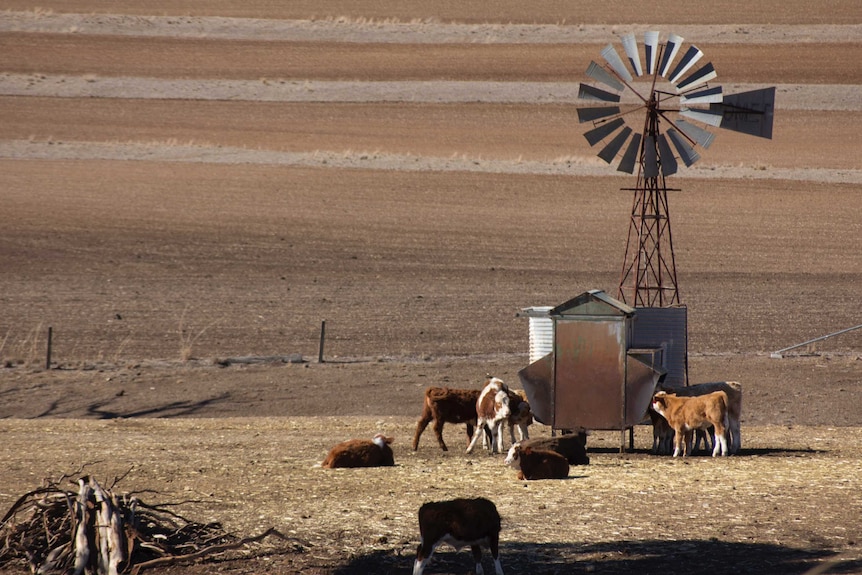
[{"x": 191, "y": 194}]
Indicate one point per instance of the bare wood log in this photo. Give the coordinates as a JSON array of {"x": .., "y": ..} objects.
[
  {"x": 82, "y": 538},
  {"x": 109, "y": 529}
]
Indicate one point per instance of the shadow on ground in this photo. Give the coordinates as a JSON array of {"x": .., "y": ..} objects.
[{"x": 687, "y": 557}]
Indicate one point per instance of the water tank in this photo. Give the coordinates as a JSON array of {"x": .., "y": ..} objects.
[{"x": 541, "y": 331}]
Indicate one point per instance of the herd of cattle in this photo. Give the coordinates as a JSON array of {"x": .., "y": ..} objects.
[{"x": 681, "y": 419}]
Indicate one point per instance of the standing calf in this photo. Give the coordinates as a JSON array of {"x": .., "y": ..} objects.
[
  {"x": 537, "y": 463},
  {"x": 446, "y": 405},
  {"x": 520, "y": 415},
  {"x": 492, "y": 409},
  {"x": 663, "y": 434},
  {"x": 361, "y": 453},
  {"x": 459, "y": 522},
  {"x": 686, "y": 414}
]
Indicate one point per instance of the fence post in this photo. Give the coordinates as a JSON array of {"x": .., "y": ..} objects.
[
  {"x": 322, "y": 339},
  {"x": 48, "y": 358}
]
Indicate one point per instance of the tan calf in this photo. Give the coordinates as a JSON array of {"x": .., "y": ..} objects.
[{"x": 687, "y": 414}]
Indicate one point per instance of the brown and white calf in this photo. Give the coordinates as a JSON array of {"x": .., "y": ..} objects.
[
  {"x": 663, "y": 434},
  {"x": 459, "y": 523},
  {"x": 686, "y": 414},
  {"x": 373, "y": 452},
  {"x": 492, "y": 410},
  {"x": 572, "y": 447},
  {"x": 446, "y": 405},
  {"x": 537, "y": 463}
]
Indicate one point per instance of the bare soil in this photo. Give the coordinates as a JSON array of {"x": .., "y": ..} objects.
[{"x": 185, "y": 248}]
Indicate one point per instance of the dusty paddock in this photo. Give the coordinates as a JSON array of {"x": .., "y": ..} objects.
[{"x": 787, "y": 502}]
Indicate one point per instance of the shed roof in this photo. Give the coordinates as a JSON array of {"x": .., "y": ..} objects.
[{"x": 593, "y": 302}]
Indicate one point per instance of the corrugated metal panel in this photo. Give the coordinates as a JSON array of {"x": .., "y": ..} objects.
[{"x": 665, "y": 328}]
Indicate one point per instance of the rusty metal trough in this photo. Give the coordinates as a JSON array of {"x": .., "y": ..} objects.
[{"x": 606, "y": 361}]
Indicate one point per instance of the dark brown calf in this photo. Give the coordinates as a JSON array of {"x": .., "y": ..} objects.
[
  {"x": 459, "y": 522},
  {"x": 572, "y": 447},
  {"x": 446, "y": 405},
  {"x": 537, "y": 463}
]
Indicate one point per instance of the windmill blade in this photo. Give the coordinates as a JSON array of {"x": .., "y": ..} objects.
[
  {"x": 748, "y": 112},
  {"x": 687, "y": 153},
  {"x": 650, "y": 157},
  {"x": 615, "y": 62},
  {"x": 631, "y": 47},
  {"x": 631, "y": 155},
  {"x": 598, "y": 134},
  {"x": 599, "y": 74},
  {"x": 673, "y": 44},
  {"x": 708, "y": 96},
  {"x": 688, "y": 60},
  {"x": 668, "y": 161},
  {"x": 696, "y": 133},
  {"x": 712, "y": 118},
  {"x": 587, "y": 92},
  {"x": 702, "y": 76},
  {"x": 610, "y": 151},
  {"x": 651, "y": 50},
  {"x": 593, "y": 114}
]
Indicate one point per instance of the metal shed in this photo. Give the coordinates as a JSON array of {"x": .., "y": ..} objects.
[{"x": 606, "y": 361}]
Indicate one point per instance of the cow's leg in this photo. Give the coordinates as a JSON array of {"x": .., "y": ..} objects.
[
  {"x": 689, "y": 441},
  {"x": 438, "y": 431},
  {"x": 480, "y": 430},
  {"x": 720, "y": 441},
  {"x": 470, "y": 431},
  {"x": 677, "y": 443},
  {"x": 497, "y": 437},
  {"x": 477, "y": 557},
  {"x": 423, "y": 556},
  {"x": 736, "y": 436},
  {"x": 420, "y": 427},
  {"x": 494, "y": 545}
]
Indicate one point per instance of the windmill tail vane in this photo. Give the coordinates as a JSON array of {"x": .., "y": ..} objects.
[{"x": 649, "y": 277}]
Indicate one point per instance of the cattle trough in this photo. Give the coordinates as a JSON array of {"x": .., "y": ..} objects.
[{"x": 604, "y": 363}]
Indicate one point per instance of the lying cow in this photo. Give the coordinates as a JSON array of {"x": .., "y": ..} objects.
[
  {"x": 663, "y": 434},
  {"x": 373, "y": 452},
  {"x": 492, "y": 409},
  {"x": 572, "y": 447},
  {"x": 686, "y": 414},
  {"x": 537, "y": 463},
  {"x": 459, "y": 522},
  {"x": 446, "y": 405}
]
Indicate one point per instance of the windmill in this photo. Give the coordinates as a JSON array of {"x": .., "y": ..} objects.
[{"x": 677, "y": 100}]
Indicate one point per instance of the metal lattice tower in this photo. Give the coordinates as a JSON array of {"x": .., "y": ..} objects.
[{"x": 648, "y": 277}]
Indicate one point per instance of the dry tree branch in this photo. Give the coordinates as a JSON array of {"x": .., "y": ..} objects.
[{"x": 218, "y": 548}]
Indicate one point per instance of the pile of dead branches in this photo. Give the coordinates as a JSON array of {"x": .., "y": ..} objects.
[{"x": 94, "y": 531}]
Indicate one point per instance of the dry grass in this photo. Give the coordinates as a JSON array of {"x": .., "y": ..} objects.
[{"x": 786, "y": 500}]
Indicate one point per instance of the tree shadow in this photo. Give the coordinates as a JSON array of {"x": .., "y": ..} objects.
[
  {"x": 100, "y": 410},
  {"x": 172, "y": 409},
  {"x": 684, "y": 557}
]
